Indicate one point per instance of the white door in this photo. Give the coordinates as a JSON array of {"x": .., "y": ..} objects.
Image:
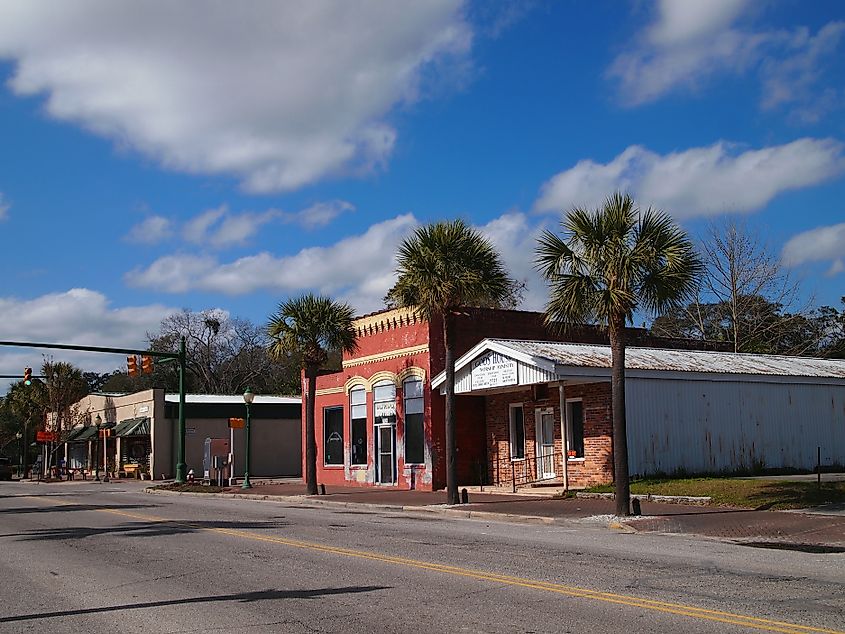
[{"x": 545, "y": 419}]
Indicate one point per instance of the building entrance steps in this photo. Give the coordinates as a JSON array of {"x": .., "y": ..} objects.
[{"x": 778, "y": 529}]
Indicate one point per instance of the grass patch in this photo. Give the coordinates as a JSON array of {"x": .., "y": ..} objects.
[
  {"x": 754, "y": 494},
  {"x": 189, "y": 488}
]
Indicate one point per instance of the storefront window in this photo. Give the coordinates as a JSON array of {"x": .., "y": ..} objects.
[
  {"x": 575, "y": 428},
  {"x": 414, "y": 437},
  {"x": 517, "y": 432},
  {"x": 333, "y": 435},
  {"x": 358, "y": 424}
]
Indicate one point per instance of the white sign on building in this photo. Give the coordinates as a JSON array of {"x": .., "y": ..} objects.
[
  {"x": 384, "y": 409},
  {"x": 493, "y": 370}
]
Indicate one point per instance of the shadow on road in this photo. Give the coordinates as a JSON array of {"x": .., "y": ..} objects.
[
  {"x": 72, "y": 507},
  {"x": 243, "y": 597},
  {"x": 140, "y": 529}
]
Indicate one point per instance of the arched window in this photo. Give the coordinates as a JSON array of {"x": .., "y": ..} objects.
[
  {"x": 358, "y": 424},
  {"x": 414, "y": 437}
]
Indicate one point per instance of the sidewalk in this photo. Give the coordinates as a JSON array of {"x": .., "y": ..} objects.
[{"x": 796, "y": 530}]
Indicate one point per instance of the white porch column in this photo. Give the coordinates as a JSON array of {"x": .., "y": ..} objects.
[{"x": 564, "y": 434}]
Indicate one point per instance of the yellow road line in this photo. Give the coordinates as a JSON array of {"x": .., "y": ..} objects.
[{"x": 563, "y": 589}]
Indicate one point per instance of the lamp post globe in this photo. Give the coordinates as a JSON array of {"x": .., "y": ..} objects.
[
  {"x": 98, "y": 421},
  {"x": 248, "y": 398}
]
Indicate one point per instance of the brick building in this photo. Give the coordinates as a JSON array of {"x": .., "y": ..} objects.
[{"x": 378, "y": 421}]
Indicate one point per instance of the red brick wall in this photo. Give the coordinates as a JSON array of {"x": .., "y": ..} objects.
[{"x": 597, "y": 466}]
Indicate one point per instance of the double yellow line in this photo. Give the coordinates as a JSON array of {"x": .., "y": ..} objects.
[{"x": 556, "y": 588}]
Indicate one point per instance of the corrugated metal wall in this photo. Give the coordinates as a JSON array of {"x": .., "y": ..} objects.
[{"x": 713, "y": 426}]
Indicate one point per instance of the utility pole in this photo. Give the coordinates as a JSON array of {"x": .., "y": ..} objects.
[{"x": 181, "y": 357}]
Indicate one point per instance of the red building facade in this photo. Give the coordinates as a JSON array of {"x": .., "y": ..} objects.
[{"x": 379, "y": 423}]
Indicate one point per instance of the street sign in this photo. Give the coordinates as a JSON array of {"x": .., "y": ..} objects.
[
  {"x": 46, "y": 436},
  {"x": 236, "y": 423}
]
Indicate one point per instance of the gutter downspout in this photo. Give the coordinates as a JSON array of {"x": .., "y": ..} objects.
[{"x": 564, "y": 434}]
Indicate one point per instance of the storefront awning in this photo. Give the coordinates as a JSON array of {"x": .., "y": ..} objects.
[
  {"x": 81, "y": 434},
  {"x": 133, "y": 427}
]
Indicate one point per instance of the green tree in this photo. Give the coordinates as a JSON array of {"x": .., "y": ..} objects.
[
  {"x": 65, "y": 385},
  {"x": 609, "y": 263},
  {"x": 25, "y": 405},
  {"x": 441, "y": 268},
  {"x": 311, "y": 327}
]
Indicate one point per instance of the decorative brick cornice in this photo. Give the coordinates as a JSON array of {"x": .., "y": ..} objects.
[
  {"x": 329, "y": 390},
  {"x": 386, "y": 356},
  {"x": 388, "y": 320}
]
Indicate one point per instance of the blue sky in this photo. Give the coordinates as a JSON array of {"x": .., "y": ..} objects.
[{"x": 156, "y": 156}]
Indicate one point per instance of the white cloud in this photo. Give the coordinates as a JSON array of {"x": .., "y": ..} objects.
[
  {"x": 4, "y": 207},
  {"x": 699, "y": 181},
  {"x": 516, "y": 239},
  {"x": 196, "y": 230},
  {"x": 690, "y": 42},
  {"x": 219, "y": 228},
  {"x": 822, "y": 244},
  {"x": 79, "y": 316},
  {"x": 280, "y": 94},
  {"x": 319, "y": 214},
  {"x": 151, "y": 230},
  {"x": 358, "y": 268}
]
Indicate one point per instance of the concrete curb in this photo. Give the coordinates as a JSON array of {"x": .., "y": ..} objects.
[
  {"x": 423, "y": 510},
  {"x": 665, "y": 499}
]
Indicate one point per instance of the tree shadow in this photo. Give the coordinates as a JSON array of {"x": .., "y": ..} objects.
[
  {"x": 71, "y": 507},
  {"x": 791, "y": 494},
  {"x": 141, "y": 529},
  {"x": 242, "y": 597}
]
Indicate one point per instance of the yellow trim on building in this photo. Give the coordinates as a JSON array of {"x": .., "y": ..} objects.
[
  {"x": 383, "y": 375},
  {"x": 329, "y": 390},
  {"x": 412, "y": 371},
  {"x": 355, "y": 381},
  {"x": 385, "y": 356},
  {"x": 388, "y": 320}
]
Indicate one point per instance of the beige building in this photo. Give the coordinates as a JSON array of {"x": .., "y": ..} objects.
[{"x": 143, "y": 430}]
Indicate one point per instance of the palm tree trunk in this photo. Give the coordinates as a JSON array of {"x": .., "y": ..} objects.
[
  {"x": 621, "y": 484},
  {"x": 451, "y": 457},
  {"x": 310, "y": 430}
]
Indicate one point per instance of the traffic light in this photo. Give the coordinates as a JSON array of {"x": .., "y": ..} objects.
[
  {"x": 146, "y": 364},
  {"x": 27, "y": 376},
  {"x": 132, "y": 364}
]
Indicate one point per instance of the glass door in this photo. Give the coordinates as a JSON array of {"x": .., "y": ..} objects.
[
  {"x": 545, "y": 443},
  {"x": 386, "y": 454}
]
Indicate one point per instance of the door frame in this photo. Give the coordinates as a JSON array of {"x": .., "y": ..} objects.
[
  {"x": 544, "y": 459},
  {"x": 394, "y": 462}
]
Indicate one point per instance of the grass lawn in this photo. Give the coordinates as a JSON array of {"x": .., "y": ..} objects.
[{"x": 756, "y": 494}]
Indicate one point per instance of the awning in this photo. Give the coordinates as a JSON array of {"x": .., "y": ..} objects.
[
  {"x": 133, "y": 427},
  {"x": 81, "y": 434}
]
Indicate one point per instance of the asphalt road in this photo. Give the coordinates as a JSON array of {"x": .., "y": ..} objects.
[{"x": 91, "y": 557}]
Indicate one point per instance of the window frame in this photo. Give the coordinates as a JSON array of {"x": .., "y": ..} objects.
[
  {"x": 569, "y": 430},
  {"x": 512, "y": 429},
  {"x": 342, "y": 463},
  {"x": 405, "y": 399},
  {"x": 366, "y": 419}
]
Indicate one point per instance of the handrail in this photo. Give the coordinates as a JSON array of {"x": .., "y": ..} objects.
[{"x": 527, "y": 470}]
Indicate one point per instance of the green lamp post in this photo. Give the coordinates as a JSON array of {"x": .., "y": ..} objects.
[{"x": 248, "y": 398}]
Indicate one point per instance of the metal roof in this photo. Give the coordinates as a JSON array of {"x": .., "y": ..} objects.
[
  {"x": 139, "y": 426},
  {"x": 237, "y": 398},
  {"x": 661, "y": 359},
  {"x": 583, "y": 359}
]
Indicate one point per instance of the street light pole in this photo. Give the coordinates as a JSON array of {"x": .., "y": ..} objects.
[
  {"x": 97, "y": 422},
  {"x": 248, "y": 398}
]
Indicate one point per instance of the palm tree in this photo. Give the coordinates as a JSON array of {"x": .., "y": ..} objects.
[
  {"x": 611, "y": 262},
  {"x": 311, "y": 326},
  {"x": 442, "y": 267}
]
